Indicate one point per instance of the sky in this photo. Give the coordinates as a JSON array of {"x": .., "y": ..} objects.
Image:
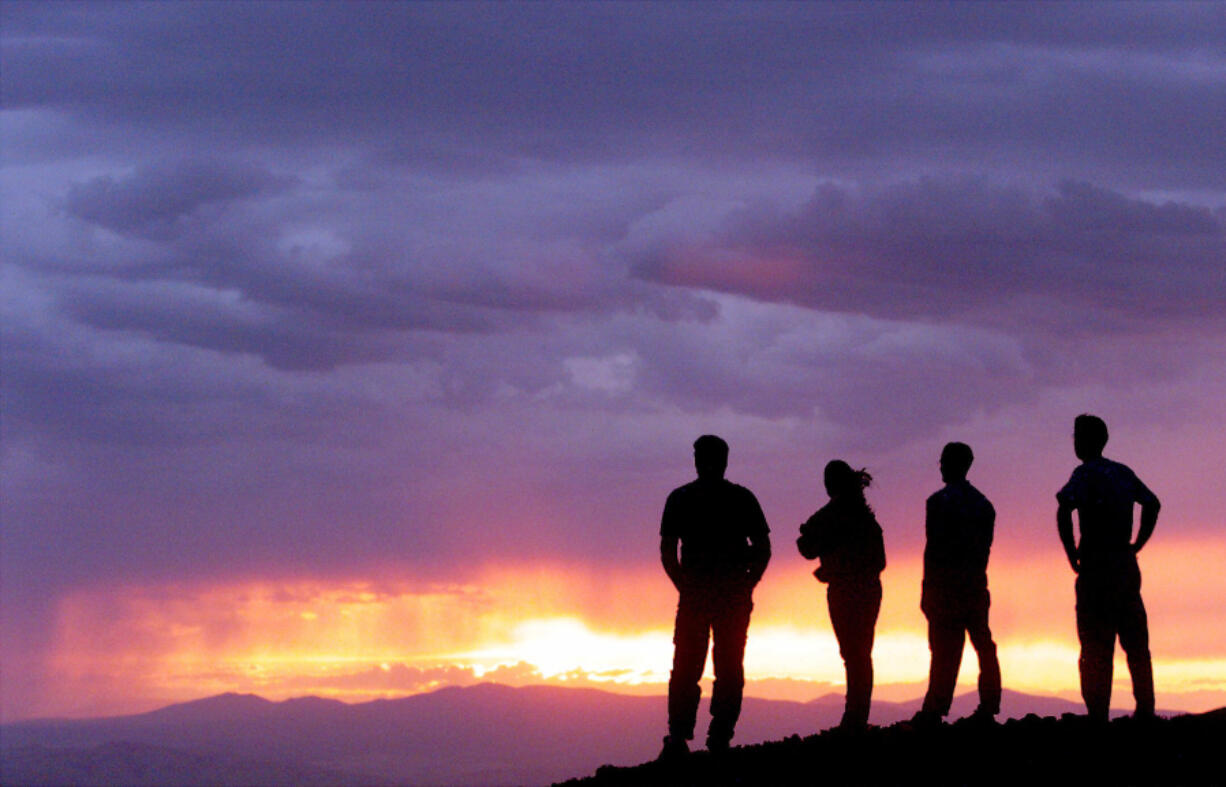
[{"x": 351, "y": 349}]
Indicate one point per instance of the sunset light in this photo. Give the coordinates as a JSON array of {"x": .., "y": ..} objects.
[
  {"x": 359, "y": 641},
  {"x": 398, "y": 392}
]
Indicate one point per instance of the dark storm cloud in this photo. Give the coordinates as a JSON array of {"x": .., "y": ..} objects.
[
  {"x": 971, "y": 249},
  {"x": 367, "y": 179},
  {"x": 150, "y": 202},
  {"x": 228, "y": 257},
  {"x": 933, "y": 248},
  {"x": 1132, "y": 95},
  {"x": 434, "y": 117}
]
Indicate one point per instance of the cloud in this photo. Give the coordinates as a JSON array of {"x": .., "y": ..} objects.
[
  {"x": 1060, "y": 90},
  {"x": 315, "y": 274},
  {"x": 157, "y": 197},
  {"x": 967, "y": 249},
  {"x": 402, "y": 678}
]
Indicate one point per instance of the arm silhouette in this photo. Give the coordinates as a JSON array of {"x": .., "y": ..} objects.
[
  {"x": 811, "y": 541},
  {"x": 668, "y": 556},
  {"x": 878, "y": 549},
  {"x": 759, "y": 556},
  {"x": 983, "y": 536},
  {"x": 1064, "y": 525},
  {"x": 1149, "y": 518},
  {"x": 759, "y": 540}
]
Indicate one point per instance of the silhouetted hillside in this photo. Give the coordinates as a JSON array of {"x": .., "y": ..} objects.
[
  {"x": 479, "y": 735},
  {"x": 1034, "y": 751}
]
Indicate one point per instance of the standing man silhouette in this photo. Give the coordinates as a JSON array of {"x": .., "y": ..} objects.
[
  {"x": 724, "y": 544},
  {"x": 959, "y": 525},
  {"x": 1108, "y": 586}
]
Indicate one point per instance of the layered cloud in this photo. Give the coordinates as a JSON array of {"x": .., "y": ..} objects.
[
  {"x": 1134, "y": 92},
  {"x": 968, "y": 250}
]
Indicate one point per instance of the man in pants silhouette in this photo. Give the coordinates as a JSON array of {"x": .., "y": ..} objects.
[
  {"x": 959, "y": 527},
  {"x": 1108, "y": 586},
  {"x": 724, "y": 549}
]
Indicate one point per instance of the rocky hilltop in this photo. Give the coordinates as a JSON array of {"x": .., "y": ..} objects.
[{"x": 1034, "y": 750}]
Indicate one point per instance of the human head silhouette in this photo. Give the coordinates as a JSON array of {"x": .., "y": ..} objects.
[
  {"x": 1089, "y": 436},
  {"x": 710, "y": 457},
  {"x": 842, "y": 481},
  {"x": 956, "y": 459}
]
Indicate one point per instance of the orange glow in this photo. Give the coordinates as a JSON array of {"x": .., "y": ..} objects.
[
  {"x": 774, "y": 275},
  {"x": 122, "y": 650}
]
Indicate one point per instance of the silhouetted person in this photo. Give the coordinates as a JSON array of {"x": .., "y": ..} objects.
[
  {"x": 845, "y": 535},
  {"x": 724, "y": 551},
  {"x": 958, "y": 524},
  {"x": 1109, "y": 604}
]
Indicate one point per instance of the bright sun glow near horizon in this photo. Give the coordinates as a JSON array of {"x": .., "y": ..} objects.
[{"x": 358, "y": 641}]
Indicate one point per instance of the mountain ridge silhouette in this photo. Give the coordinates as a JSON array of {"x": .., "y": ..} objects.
[{"x": 486, "y": 734}]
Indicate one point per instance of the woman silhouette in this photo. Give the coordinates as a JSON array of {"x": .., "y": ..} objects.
[{"x": 845, "y": 535}]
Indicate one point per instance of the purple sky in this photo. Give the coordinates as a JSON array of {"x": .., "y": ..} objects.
[{"x": 362, "y": 289}]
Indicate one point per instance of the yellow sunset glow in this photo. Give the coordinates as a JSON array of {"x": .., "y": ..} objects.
[
  {"x": 558, "y": 646},
  {"x": 131, "y": 649}
]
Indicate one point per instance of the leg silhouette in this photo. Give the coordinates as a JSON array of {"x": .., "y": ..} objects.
[
  {"x": 853, "y": 615},
  {"x": 730, "y": 626},
  {"x": 1096, "y": 630},
  {"x": 1134, "y": 640},
  {"x": 946, "y": 638},
  {"x": 690, "y": 639},
  {"x": 985, "y": 649}
]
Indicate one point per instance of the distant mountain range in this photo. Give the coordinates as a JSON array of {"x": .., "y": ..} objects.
[{"x": 479, "y": 735}]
